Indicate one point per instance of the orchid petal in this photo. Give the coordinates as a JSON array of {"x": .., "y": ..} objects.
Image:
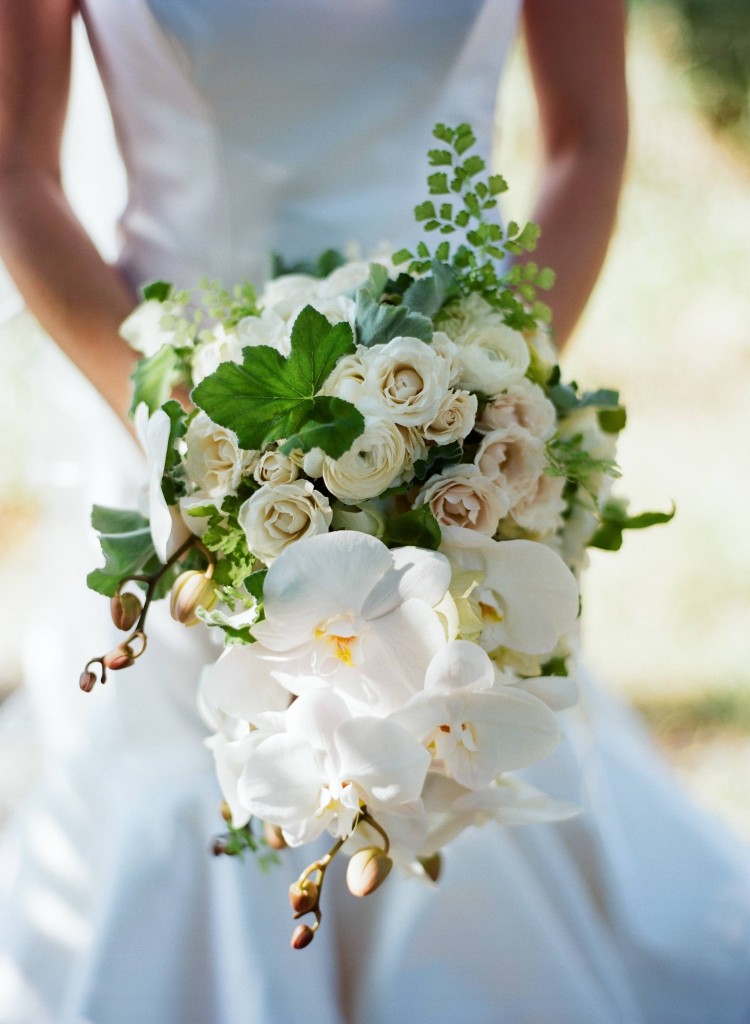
[
  {"x": 153, "y": 433},
  {"x": 240, "y": 684},
  {"x": 414, "y": 573},
  {"x": 460, "y": 665},
  {"x": 382, "y": 758},
  {"x": 281, "y": 780}
]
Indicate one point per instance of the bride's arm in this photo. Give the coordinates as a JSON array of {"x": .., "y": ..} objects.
[
  {"x": 74, "y": 294},
  {"x": 576, "y": 53}
]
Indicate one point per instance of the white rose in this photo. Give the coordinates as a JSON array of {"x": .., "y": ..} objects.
[
  {"x": 215, "y": 463},
  {"x": 346, "y": 278},
  {"x": 416, "y": 448},
  {"x": 143, "y": 330},
  {"x": 267, "y": 329},
  {"x": 461, "y": 496},
  {"x": 336, "y": 309},
  {"x": 346, "y": 380},
  {"x": 372, "y": 464},
  {"x": 493, "y": 357},
  {"x": 524, "y": 405},
  {"x": 405, "y": 382},
  {"x": 219, "y": 347},
  {"x": 540, "y": 512},
  {"x": 448, "y": 351},
  {"x": 514, "y": 459},
  {"x": 455, "y": 418},
  {"x": 287, "y": 294},
  {"x": 275, "y": 517},
  {"x": 273, "y": 467}
]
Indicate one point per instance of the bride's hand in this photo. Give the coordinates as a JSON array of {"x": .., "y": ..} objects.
[{"x": 75, "y": 295}]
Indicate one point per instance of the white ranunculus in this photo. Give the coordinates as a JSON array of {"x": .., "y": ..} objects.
[
  {"x": 168, "y": 530},
  {"x": 455, "y": 418},
  {"x": 277, "y": 516},
  {"x": 287, "y": 294},
  {"x": 372, "y": 464},
  {"x": 523, "y": 405},
  {"x": 267, "y": 329},
  {"x": 462, "y": 496},
  {"x": 416, "y": 449},
  {"x": 220, "y": 347},
  {"x": 366, "y": 517},
  {"x": 526, "y": 595},
  {"x": 405, "y": 382},
  {"x": 514, "y": 459},
  {"x": 467, "y": 313},
  {"x": 541, "y": 511},
  {"x": 346, "y": 609},
  {"x": 493, "y": 358},
  {"x": 335, "y": 308},
  {"x": 273, "y": 467},
  {"x": 143, "y": 330},
  {"x": 215, "y": 463}
]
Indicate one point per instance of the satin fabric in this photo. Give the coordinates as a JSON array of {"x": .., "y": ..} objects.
[{"x": 247, "y": 126}]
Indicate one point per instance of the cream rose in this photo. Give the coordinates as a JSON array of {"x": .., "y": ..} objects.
[
  {"x": 214, "y": 461},
  {"x": 540, "y": 512},
  {"x": 372, "y": 464},
  {"x": 287, "y": 294},
  {"x": 461, "y": 496},
  {"x": 346, "y": 380},
  {"x": 346, "y": 278},
  {"x": 455, "y": 418},
  {"x": 493, "y": 357},
  {"x": 448, "y": 351},
  {"x": 267, "y": 329},
  {"x": 405, "y": 382},
  {"x": 524, "y": 405},
  {"x": 275, "y": 517},
  {"x": 466, "y": 314},
  {"x": 514, "y": 459},
  {"x": 273, "y": 467},
  {"x": 219, "y": 347}
]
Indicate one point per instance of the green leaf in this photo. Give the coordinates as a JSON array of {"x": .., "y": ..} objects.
[
  {"x": 268, "y": 397},
  {"x": 419, "y": 528},
  {"x": 159, "y": 290},
  {"x": 424, "y": 211},
  {"x": 438, "y": 183},
  {"x": 125, "y": 539},
  {"x": 428, "y": 295},
  {"x": 615, "y": 519},
  {"x": 401, "y": 256},
  {"x": 438, "y": 456},
  {"x": 333, "y": 426},
  {"x": 497, "y": 184},
  {"x": 612, "y": 421},
  {"x": 378, "y": 322},
  {"x": 154, "y": 378}
]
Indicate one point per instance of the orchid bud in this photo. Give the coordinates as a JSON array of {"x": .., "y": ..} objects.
[
  {"x": 87, "y": 681},
  {"x": 302, "y": 936},
  {"x": 192, "y": 590},
  {"x": 432, "y": 866},
  {"x": 125, "y": 609},
  {"x": 220, "y": 846},
  {"x": 303, "y": 898},
  {"x": 273, "y": 836},
  {"x": 119, "y": 657},
  {"x": 226, "y": 812},
  {"x": 367, "y": 870}
]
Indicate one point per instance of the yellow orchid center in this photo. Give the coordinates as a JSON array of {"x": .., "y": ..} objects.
[
  {"x": 490, "y": 614},
  {"x": 341, "y": 645}
]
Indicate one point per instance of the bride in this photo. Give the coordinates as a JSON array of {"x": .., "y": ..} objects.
[{"x": 247, "y": 126}]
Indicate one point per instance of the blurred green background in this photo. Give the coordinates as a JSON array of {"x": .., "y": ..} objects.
[{"x": 667, "y": 620}]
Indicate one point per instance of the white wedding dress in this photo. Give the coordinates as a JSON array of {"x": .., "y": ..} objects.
[{"x": 294, "y": 125}]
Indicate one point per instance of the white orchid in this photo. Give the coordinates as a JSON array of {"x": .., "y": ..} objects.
[
  {"x": 472, "y": 733},
  {"x": 316, "y": 766},
  {"x": 168, "y": 530},
  {"x": 526, "y": 595},
  {"x": 343, "y": 607}
]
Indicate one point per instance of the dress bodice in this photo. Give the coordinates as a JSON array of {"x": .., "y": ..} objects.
[{"x": 250, "y": 126}]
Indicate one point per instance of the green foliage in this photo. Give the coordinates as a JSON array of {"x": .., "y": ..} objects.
[
  {"x": 155, "y": 377},
  {"x": 419, "y": 528},
  {"x": 324, "y": 265},
  {"x": 268, "y": 397},
  {"x": 568, "y": 459},
  {"x": 229, "y": 307},
  {"x": 429, "y": 294},
  {"x": 438, "y": 456},
  {"x": 474, "y": 263},
  {"x": 378, "y": 322},
  {"x": 615, "y": 519},
  {"x": 236, "y": 842},
  {"x": 225, "y": 538},
  {"x": 125, "y": 539},
  {"x": 159, "y": 290}
]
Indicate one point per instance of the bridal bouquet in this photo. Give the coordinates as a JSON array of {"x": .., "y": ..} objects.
[{"x": 376, "y": 500}]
